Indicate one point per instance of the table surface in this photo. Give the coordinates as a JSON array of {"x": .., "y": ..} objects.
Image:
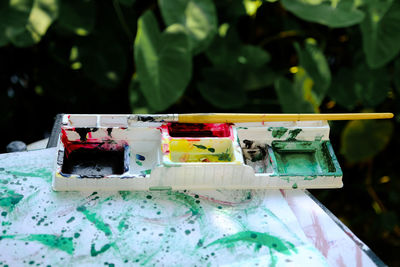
[{"x": 220, "y": 227}]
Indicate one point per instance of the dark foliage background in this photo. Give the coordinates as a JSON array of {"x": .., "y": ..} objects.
[{"x": 127, "y": 56}]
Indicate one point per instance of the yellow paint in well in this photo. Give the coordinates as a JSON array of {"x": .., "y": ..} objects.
[{"x": 204, "y": 150}]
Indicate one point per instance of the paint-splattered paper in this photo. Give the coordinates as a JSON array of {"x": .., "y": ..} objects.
[{"x": 41, "y": 227}]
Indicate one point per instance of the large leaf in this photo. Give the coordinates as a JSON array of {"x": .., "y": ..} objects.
[
  {"x": 292, "y": 96},
  {"x": 397, "y": 75},
  {"x": 163, "y": 62},
  {"x": 228, "y": 52},
  {"x": 77, "y": 16},
  {"x": 41, "y": 16},
  {"x": 313, "y": 61},
  {"x": 362, "y": 140},
  {"x": 343, "y": 89},
  {"x": 221, "y": 89},
  {"x": 103, "y": 60},
  {"x": 381, "y": 33},
  {"x": 372, "y": 86},
  {"x": 13, "y": 17},
  {"x": 335, "y": 13},
  {"x": 199, "y": 17}
]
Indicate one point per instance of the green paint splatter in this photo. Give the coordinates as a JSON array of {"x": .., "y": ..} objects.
[
  {"x": 259, "y": 239},
  {"x": 294, "y": 186},
  {"x": 293, "y": 134},
  {"x": 277, "y": 132},
  {"x": 309, "y": 178},
  {"x": 188, "y": 201},
  {"x": 122, "y": 225},
  {"x": 212, "y": 150},
  {"x": 52, "y": 241},
  {"x": 139, "y": 163},
  {"x": 9, "y": 199},
  {"x": 94, "y": 252},
  {"x": 187, "y": 232},
  {"x": 200, "y": 146},
  {"x": 4, "y": 213},
  {"x": 76, "y": 235},
  {"x": 71, "y": 219},
  {"x": 145, "y": 172},
  {"x": 124, "y": 194},
  {"x": 98, "y": 223},
  {"x": 44, "y": 173}
]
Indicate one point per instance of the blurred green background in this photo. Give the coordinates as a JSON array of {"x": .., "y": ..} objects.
[{"x": 184, "y": 56}]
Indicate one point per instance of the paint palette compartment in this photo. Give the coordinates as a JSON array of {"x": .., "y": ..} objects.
[
  {"x": 199, "y": 130},
  {"x": 305, "y": 158},
  {"x": 112, "y": 152},
  {"x": 94, "y": 162},
  {"x": 205, "y": 150}
]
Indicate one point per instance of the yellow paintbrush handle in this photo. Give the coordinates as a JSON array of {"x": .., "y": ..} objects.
[{"x": 233, "y": 118}]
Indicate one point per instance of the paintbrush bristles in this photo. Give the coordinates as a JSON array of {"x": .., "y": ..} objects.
[{"x": 237, "y": 118}]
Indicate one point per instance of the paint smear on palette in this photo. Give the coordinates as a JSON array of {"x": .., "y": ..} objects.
[
  {"x": 277, "y": 132},
  {"x": 199, "y": 129}
]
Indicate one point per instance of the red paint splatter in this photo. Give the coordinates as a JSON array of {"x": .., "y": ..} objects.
[{"x": 320, "y": 241}]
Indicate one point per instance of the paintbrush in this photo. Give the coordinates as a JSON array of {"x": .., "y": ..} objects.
[{"x": 252, "y": 117}]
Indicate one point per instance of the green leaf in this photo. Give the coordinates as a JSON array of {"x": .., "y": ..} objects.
[
  {"x": 258, "y": 78},
  {"x": 199, "y": 18},
  {"x": 214, "y": 89},
  {"x": 335, "y": 13},
  {"x": 313, "y": 61},
  {"x": 363, "y": 140},
  {"x": 163, "y": 62},
  {"x": 292, "y": 96},
  {"x": 228, "y": 52},
  {"x": 372, "y": 86},
  {"x": 13, "y": 16},
  {"x": 381, "y": 33},
  {"x": 397, "y": 75},
  {"x": 127, "y": 2},
  {"x": 41, "y": 16},
  {"x": 251, "y": 6},
  {"x": 102, "y": 59},
  {"x": 77, "y": 16},
  {"x": 343, "y": 89}
]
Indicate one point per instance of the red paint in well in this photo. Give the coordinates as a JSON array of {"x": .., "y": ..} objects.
[
  {"x": 91, "y": 143},
  {"x": 198, "y": 129}
]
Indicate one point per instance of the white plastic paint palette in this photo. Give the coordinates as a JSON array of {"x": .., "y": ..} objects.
[{"x": 110, "y": 152}]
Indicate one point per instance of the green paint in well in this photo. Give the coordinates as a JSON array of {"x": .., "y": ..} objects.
[
  {"x": 305, "y": 158},
  {"x": 94, "y": 252},
  {"x": 98, "y": 222},
  {"x": 139, "y": 163},
  {"x": 9, "y": 199},
  {"x": 200, "y": 146},
  {"x": 259, "y": 239},
  {"x": 293, "y": 134},
  {"x": 277, "y": 132},
  {"x": 52, "y": 241}
]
